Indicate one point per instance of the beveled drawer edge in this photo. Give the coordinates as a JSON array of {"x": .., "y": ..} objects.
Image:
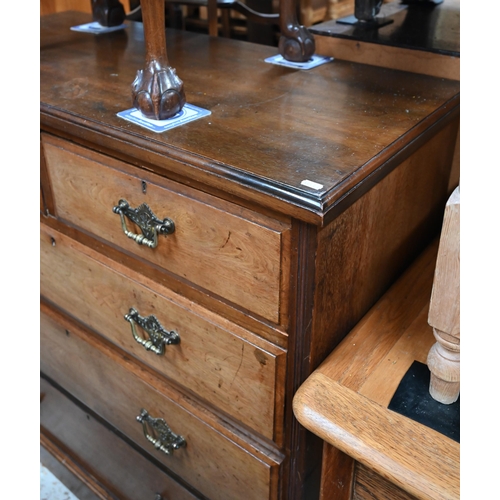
[
  {"x": 214, "y": 318},
  {"x": 269, "y": 332}
]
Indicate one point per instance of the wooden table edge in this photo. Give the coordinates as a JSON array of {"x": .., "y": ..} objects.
[{"x": 320, "y": 406}]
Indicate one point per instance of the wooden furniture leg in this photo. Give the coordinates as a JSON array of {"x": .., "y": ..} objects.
[
  {"x": 366, "y": 10},
  {"x": 226, "y": 23},
  {"x": 337, "y": 474},
  {"x": 444, "y": 310},
  {"x": 108, "y": 12},
  {"x": 157, "y": 91},
  {"x": 213, "y": 29},
  {"x": 296, "y": 42}
]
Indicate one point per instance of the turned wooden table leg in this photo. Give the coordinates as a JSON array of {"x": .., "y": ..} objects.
[
  {"x": 157, "y": 91},
  {"x": 108, "y": 12},
  {"x": 296, "y": 43},
  {"x": 444, "y": 364},
  {"x": 444, "y": 309}
]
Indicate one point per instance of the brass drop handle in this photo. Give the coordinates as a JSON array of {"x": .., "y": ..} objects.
[
  {"x": 144, "y": 217},
  {"x": 161, "y": 435},
  {"x": 158, "y": 336}
]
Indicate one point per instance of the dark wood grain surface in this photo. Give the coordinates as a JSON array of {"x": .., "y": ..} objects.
[{"x": 271, "y": 127}]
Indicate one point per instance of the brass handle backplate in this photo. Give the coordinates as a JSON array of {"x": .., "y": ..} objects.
[
  {"x": 149, "y": 224},
  {"x": 158, "y": 336},
  {"x": 161, "y": 435}
]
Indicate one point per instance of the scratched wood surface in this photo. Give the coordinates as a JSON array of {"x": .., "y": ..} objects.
[
  {"x": 379, "y": 142},
  {"x": 236, "y": 374},
  {"x": 271, "y": 127},
  {"x": 216, "y": 460},
  {"x": 207, "y": 236}
]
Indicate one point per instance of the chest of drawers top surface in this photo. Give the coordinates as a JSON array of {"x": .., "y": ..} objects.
[{"x": 270, "y": 128}]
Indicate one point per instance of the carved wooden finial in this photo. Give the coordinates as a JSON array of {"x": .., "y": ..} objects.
[{"x": 444, "y": 311}]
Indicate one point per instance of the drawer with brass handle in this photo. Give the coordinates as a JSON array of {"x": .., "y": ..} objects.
[
  {"x": 223, "y": 248},
  {"x": 234, "y": 369},
  {"x": 73, "y": 435},
  {"x": 194, "y": 444}
]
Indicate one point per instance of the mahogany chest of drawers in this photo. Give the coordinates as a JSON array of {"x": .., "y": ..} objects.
[{"x": 273, "y": 225}]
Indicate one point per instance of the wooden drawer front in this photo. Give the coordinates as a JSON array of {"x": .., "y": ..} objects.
[
  {"x": 236, "y": 374},
  {"x": 216, "y": 461},
  {"x": 215, "y": 244},
  {"x": 115, "y": 465}
]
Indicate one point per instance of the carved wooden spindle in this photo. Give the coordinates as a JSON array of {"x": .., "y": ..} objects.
[
  {"x": 157, "y": 91},
  {"x": 296, "y": 44},
  {"x": 444, "y": 311}
]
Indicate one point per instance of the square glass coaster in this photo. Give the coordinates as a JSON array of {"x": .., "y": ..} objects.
[
  {"x": 97, "y": 28},
  {"x": 187, "y": 114},
  {"x": 312, "y": 63}
]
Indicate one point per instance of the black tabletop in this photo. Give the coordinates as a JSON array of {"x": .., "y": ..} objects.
[{"x": 419, "y": 26}]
